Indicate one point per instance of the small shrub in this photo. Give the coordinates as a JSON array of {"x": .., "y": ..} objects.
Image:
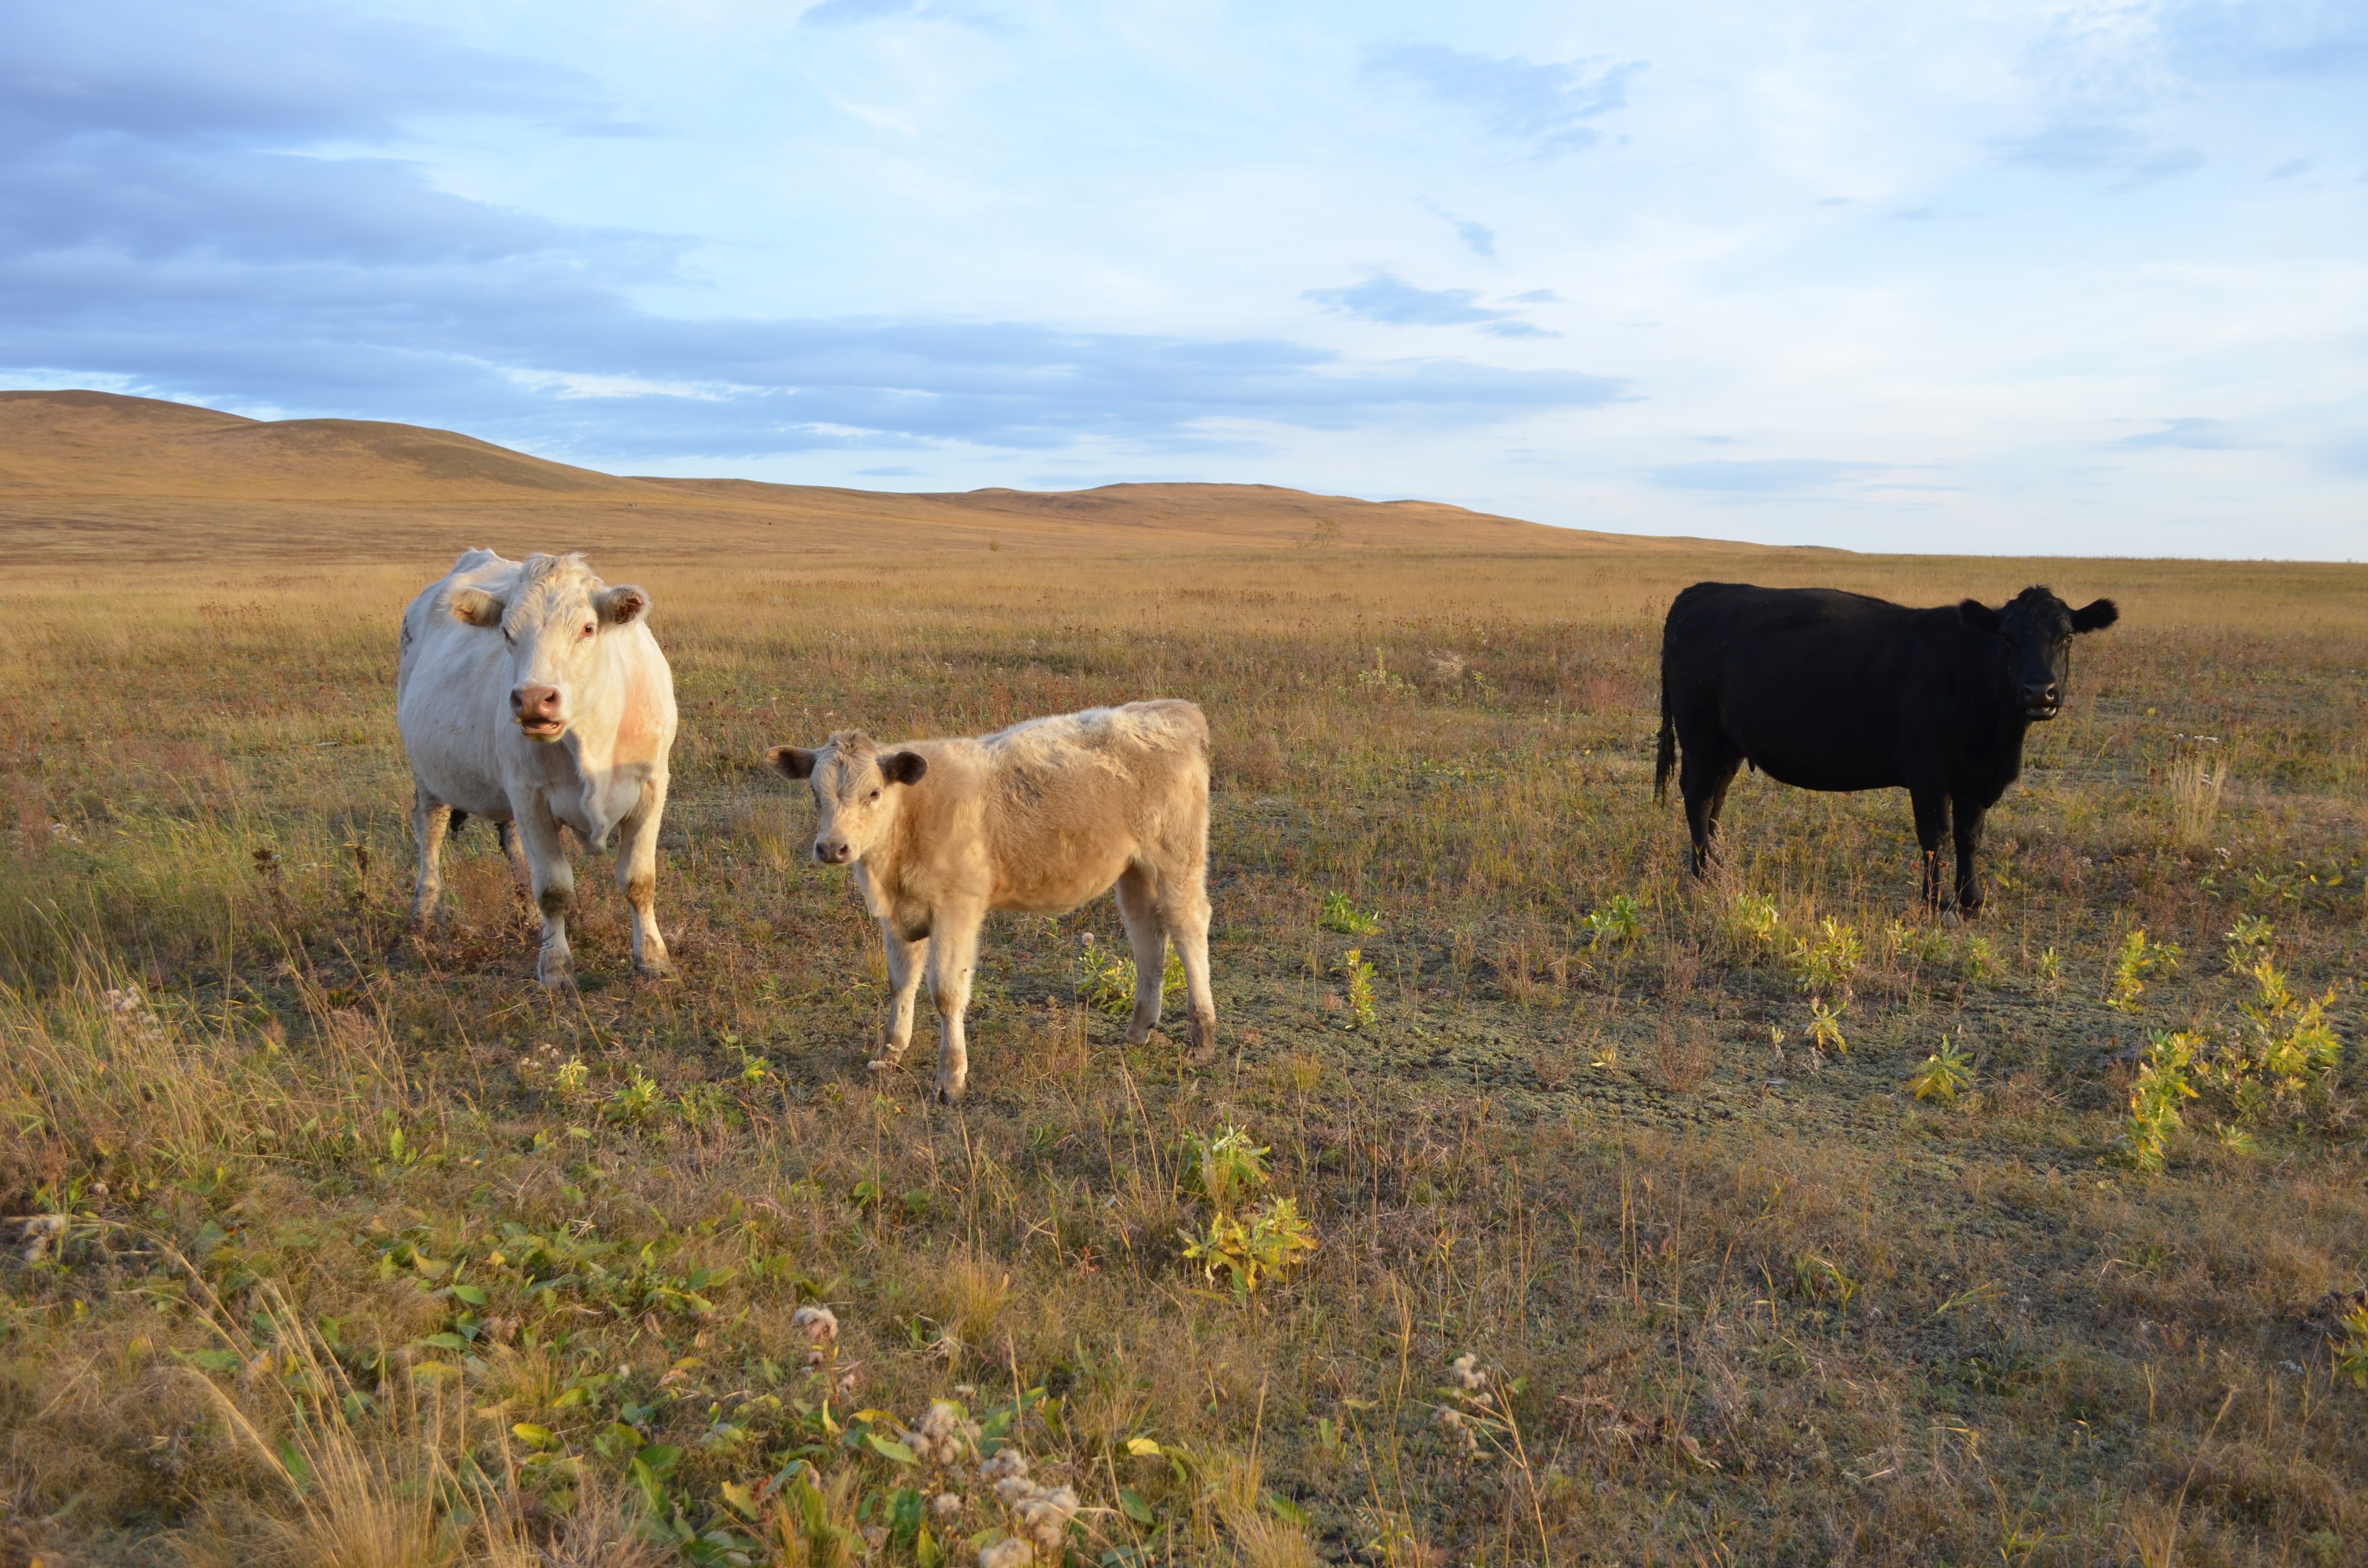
[
  {"x": 1825, "y": 965},
  {"x": 1979, "y": 962},
  {"x": 1261, "y": 1243},
  {"x": 1946, "y": 1073},
  {"x": 1339, "y": 914},
  {"x": 2136, "y": 961},
  {"x": 2249, "y": 941},
  {"x": 1925, "y": 944},
  {"x": 1225, "y": 1168},
  {"x": 1380, "y": 679},
  {"x": 1752, "y": 923},
  {"x": 2049, "y": 971},
  {"x": 1617, "y": 921},
  {"x": 2351, "y": 1348},
  {"x": 2162, "y": 1083},
  {"x": 1825, "y": 1030},
  {"x": 1361, "y": 986}
]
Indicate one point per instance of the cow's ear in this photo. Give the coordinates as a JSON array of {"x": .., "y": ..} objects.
[
  {"x": 903, "y": 767},
  {"x": 2096, "y": 617},
  {"x": 477, "y": 606},
  {"x": 1977, "y": 615},
  {"x": 620, "y": 605},
  {"x": 792, "y": 762}
]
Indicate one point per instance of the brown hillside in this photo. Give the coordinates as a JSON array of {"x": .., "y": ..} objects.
[{"x": 90, "y": 476}]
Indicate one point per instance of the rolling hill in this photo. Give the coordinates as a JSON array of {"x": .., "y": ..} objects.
[{"x": 88, "y": 476}]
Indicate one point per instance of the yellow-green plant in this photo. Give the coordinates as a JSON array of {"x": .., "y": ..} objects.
[
  {"x": 1360, "y": 975},
  {"x": 1925, "y": 944},
  {"x": 2136, "y": 961},
  {"x": 1339, "y": 914},
  {"x": 2049, "y": 971},
  {"x": 1825, "y": 964},
  {"x": 1615, "y": 920},
  {"x": 2249, "y": 941},
  {"x": 1261, "y": 1243},
  {"x": 2162, "y": 1083},
  {"x": 1945, "y": 1075},
  {"x": 2351, "y": 1348},
  {"x": 1824, "y": 1030},
  {"x": 1224, "y": 1167},
  {"x": 2289, "y": 1039},
  {"x": 1752, "y": 922}
]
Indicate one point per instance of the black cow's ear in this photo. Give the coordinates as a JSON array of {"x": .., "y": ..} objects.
[
  {"x": 1978, "y": 616},
  {"x": 2096, "y": 617},
  {"x": 903, "y": 767},
  {"x": 792, "y": 762}
]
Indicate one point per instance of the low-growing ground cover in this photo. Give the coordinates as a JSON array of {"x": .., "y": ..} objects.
[{"x": 1754, "y": 1220}]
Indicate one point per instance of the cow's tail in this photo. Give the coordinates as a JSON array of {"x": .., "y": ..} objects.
[{"x": 1667, "y": 758}]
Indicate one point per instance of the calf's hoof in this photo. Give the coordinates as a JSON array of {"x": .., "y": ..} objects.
[
  {"x": 949, "y": 1090},
  {"x": 1201, "y": 1042},
  {"x": 555, "y": 976},
  {"x": 662, "y": 969}
]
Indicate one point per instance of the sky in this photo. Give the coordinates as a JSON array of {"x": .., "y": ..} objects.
[{"x": 1963, "y": 275}]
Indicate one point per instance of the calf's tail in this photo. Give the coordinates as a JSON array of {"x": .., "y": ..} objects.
[{"x": 1667, "y": 758}]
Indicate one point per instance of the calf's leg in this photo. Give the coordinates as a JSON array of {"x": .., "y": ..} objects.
[
  {"x": 429, "y": 819},
  {"x": 953, "y": 956},
  {"x": 1706, "y": 767},
  {"x": 904, "y": 980},
  {"x": 514, "y": 851},
  {"x": 1184, "y": 914},
  {"x": 1969, "y": 844},
  {"x": 1138, "y": 906},
  {"x": 1931, "y": 823},
  {"x": 637, "y": 873},
  {"x": 554, "y": 887}
]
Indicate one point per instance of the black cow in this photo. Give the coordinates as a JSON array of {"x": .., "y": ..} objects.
[{"x": 1828, "y": 691}]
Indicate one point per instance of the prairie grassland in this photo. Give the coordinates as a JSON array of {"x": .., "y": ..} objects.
[{"x": 1633, "y": 1242}]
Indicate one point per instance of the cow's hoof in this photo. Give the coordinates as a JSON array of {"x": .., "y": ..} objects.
[
  {"x": 556, "y": 976},
  {"x": 950, "y": 1091},
  {"x": 663, "y": 970}
]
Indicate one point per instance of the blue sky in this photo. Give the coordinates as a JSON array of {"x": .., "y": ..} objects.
[{"x": 1952, "y": 276}]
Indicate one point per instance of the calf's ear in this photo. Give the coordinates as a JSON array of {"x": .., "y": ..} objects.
[
  {"x": 620, "y": 605},
  {"x": 2096, "y": 617},
  {"x": 477, "y": 606},
  {"x": 1978, "y": 616},
  {"x": 792, "y": 762},
  {"x": 903, "y": 767}
]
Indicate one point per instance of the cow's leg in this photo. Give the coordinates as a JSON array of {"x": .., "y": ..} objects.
[
  {"x": 953, "y": 954},
  {"x": 1138, "y": 906},
  {"x": 1704, "y": 771},
  {"x": 429, "y": 819},
  {"x": 1184, "y": 915},
  {"x": 1969, "y": 844},
  {"x": 514, "y": 851},
  {"x": 637, "y": 873},
  {"x": 904, "y": 980},
  {"x": 554, "y": 887},
  {"x": 1931, "y": 825}
]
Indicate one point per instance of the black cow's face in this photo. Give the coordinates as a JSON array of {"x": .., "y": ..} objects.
[{"x": 2036, "y": 630}]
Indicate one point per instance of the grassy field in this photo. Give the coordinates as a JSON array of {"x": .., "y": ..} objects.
[{"x": 1632, "y": 1240}]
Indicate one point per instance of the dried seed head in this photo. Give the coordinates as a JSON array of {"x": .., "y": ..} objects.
[
  {"x": 1012, "y": 1551},
  {"x": 819, "y": 1324}
]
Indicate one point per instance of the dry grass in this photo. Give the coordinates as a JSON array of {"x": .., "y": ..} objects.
[{"x": 317, "y": 1189}]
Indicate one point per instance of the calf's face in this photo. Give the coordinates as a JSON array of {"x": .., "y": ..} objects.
[
  {"x": 856, "y": 792},
  {"x": 550, "y": 626},
  {"x": 2036, "y": 632}
]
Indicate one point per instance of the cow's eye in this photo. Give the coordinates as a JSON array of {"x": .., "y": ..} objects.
[
  {"x": 588, "y": 628},
  {"x": 873, "y": 796}
]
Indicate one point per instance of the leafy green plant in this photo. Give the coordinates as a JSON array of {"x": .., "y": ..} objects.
[
  {"x": 1380, "y": 678},
  {"x": 1225, "y": 1168},
  {"x": 1826, "y": 963},
  {"x": 1925, "y": 944},
  {"x": 633, "y": 1100},
  {"x": 2136, "y": 961},
  {"x": 2049, "y": 971},
  {"x": 1752, "y": 922},
  {"x": 1945, "y": 1075},
  {"x": 1979, "y": 962},
  {"x": 2249, "y": 941},
  {"x": 1339, "y": 914},
  {"x": 1825, "y": 1029},
  {"x": 2162, "y": 1083},
  {"x": 1360, "y": 977},
  {"x": 1619, "y": 920},
  {"x": 1261, "y": 1243},
  {"x": 2351, "y": 1348}
]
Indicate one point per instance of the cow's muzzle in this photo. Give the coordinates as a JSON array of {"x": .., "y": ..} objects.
[
  {"x": 833, "y": 851},
  {"x": 2042, "y": 702},
  {"x": 536, "y": 709}
]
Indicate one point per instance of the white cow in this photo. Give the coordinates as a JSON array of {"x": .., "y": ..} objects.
[
  {"x": 533, "y": 694},
  {"x": 1038, "y": 818}
]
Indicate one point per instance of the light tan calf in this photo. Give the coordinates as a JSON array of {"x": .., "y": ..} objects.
[{"x": 1037, "y": 818}]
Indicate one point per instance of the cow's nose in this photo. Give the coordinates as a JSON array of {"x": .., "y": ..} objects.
[
  {"x": 830, "y": 852},
  {"x": 534, "y": 703}
]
